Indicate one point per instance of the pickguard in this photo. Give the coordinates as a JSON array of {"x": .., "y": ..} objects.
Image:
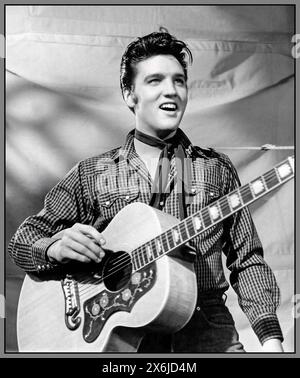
[{"x": 100, "y": 307}]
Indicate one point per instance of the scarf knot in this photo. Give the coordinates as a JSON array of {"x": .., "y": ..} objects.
[{"x": 175, "y": 145}]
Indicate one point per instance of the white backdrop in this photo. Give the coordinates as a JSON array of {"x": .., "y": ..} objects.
[{"x": 63, "y": 103}]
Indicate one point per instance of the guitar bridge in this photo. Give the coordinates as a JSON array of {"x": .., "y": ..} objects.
[{"x": 72, "y": 304}]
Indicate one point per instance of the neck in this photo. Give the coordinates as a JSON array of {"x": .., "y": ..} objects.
[
  {"x": 144, "y": 149},
  {"x": 160, "y": 134}
]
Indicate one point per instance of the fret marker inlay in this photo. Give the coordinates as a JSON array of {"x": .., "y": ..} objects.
[
  {"x": 284, "y": 170},
  {"x": 214, "y": 212},
  {"x": 176, "y": 236},
  {"x": 257, "y": 186},
  {"x": 197, "y": 223},
  {"x": 234, "y": 200}
]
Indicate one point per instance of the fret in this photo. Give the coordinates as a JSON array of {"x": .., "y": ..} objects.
[
  {"x": 234, "y": 200},
  {"x": 246, "y": 194},
  {"x": 164, "y": 240},
  {"x": 224, "y": 205},
  {"x": 183, "y": 232},
  {"x": 142, "y": 255},
  {"x": 154, "y": 251},
  {"x": 190, "y": 227},
  {"x": 145, "y": 254},
  {"x": 170, "y": 239},
  {"x": 136, "y": 256},
  {"x": 214, "y": 212},
  {"x": 271, "y": 179},
  {"x": 206, "y": 217},
  {"x": 135, "y": 260},
  {"x": 158, "y": 245},
  {"x": 149, "y": 252}
]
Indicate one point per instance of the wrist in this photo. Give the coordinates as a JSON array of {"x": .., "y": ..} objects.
[
  {"x": 51, "y": 253},
  {"x": 272, "y": 345}
]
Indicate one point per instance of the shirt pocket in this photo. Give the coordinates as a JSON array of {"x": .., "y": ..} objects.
[
  {"x": 203, "y": 194},
  {"x": 114, "y": 200},
  {"x": 116, "y": 195}
]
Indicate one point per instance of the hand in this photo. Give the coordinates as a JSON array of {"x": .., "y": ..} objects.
[
  {"x": 272, "y": 345},
  {"x": 80, "y": 242}
]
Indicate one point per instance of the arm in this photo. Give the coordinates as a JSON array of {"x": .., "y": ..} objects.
[
  {"x": 37, "y": 245},
  {"x": 251, "y": 277}
]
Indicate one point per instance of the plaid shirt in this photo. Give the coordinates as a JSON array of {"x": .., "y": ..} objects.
[{"x": 96, "y": 189}]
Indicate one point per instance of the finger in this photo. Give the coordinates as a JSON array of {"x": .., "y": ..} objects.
[
  {"x": 92, "y": 232},
  {"x": 83, "y": 250},
  {"x": 70, "y": 254},
  {"x": 88, "y": 242}
]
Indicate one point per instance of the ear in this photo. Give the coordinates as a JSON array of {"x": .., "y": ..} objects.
[{"x": 130, "y": 98}]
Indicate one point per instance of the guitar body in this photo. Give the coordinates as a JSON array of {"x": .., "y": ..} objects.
[{"x": 82, "y": 313}]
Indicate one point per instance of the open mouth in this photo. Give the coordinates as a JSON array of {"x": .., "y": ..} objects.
[{"x": 169, "y": 107}]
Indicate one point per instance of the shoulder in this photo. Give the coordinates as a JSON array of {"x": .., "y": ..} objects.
[
  {"x": 98, "y": 163},
  {"x": 214, "y": 157}
]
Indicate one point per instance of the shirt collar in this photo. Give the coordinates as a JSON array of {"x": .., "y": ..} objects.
[{"x": 127, "y": 150}]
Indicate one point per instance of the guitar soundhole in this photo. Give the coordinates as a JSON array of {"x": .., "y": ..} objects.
[{"x": 117, "y": 271}]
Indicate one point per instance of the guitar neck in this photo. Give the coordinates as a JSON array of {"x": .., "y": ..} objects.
[{"x": 212, "y": 214}]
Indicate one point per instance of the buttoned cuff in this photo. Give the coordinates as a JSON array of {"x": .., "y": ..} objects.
[
  {"x": 39, "y": 255},
  {"x": 267, "y": 327}
]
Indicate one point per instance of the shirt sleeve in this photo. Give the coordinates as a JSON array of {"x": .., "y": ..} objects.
[
  {"x": 250, "y": 276},
  {"x": 66, "y": 204}
]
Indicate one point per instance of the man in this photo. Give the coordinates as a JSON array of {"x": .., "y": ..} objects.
[{"x": 171, "y": 175}]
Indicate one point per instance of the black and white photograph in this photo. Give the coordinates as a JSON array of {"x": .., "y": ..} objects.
[{"x": 149, "y": 180}]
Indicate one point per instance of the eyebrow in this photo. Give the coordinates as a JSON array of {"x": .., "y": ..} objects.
[{"x": 160, "y": 75}]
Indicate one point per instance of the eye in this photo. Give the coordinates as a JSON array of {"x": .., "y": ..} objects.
[
  {"x": 180, "y": 81},
  {"x": 154, "y": 81}
]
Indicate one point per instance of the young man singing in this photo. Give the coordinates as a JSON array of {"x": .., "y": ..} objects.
[{"x": 174, "y": 176}]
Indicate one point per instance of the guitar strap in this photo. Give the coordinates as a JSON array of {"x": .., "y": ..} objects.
[{"x": 176, "y": 146}]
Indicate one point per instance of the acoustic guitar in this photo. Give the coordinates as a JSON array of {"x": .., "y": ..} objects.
[{"x": 145, "y": 282}]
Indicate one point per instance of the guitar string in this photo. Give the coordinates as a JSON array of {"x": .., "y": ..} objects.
[{"x": 123, "y": 261}]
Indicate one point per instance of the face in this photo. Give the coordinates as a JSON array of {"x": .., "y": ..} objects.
[{"x": 159, "y": 95}]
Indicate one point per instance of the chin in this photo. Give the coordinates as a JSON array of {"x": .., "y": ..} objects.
[{"x": 166, "y": 130}]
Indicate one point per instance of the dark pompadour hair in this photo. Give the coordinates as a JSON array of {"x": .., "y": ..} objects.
[{"x": 156, "y": 43}]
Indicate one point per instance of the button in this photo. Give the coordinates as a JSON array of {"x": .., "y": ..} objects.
[
  {"x": 39, "y": 267},
  {"x": 127, "y": 197},
  {"x": 212, "y": 194},
  {"x": 107, "y": 203},
  {"x": 161, "y": 203},
  {"x": 193, "y": 190},
  {"x": 198, "y": 308}
]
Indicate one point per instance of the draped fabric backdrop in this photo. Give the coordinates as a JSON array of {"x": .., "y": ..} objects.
[{"x": 63, "y": 104}]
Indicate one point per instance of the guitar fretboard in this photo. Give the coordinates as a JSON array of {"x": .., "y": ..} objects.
[{"x": 210, "y": 215}]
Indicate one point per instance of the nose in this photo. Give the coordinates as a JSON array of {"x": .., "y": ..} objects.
[{"x": 170, "y": 88}]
